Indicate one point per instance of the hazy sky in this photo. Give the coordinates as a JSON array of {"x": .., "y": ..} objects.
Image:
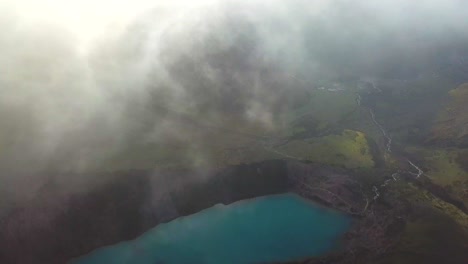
[{"x": 87, "y": 19}]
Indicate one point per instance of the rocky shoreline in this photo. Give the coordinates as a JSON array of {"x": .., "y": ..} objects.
[{"x": 56, "y": 228}]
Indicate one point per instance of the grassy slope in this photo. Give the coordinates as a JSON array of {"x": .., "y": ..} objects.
[{"x": 349, "y": 149}]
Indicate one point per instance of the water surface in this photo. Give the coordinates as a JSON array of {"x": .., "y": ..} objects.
[{"x": 266, "y": 229}]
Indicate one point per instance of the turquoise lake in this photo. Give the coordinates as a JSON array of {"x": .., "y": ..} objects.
[{"x": 267, "y": 229}]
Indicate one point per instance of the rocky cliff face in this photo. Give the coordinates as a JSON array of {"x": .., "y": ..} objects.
[{"x": 56, "y": 227}]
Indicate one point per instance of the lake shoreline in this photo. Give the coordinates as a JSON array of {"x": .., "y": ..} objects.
[{"x": 131, "y": 205}]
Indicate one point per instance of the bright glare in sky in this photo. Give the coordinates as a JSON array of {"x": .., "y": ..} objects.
[{"x": 86, "y": 19}]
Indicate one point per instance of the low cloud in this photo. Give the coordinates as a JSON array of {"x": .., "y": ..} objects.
[{"x": 169, "y": 74}]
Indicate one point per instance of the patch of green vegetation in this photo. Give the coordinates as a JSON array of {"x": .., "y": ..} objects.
[
  {"x": 442, "y": 164},
  {"x": 431, "y": 238},
  {"x": 418, "y": 102},
  {"x": 299, "y": 130},
  {"x": 331, "y": 106},
  {"x": 349, "y": 149},
  {"x": 401, "y": 190},
  {"x": 444, "y": 168},
  {"x": 450, "y": 123},
  {"x": 231, "y": 140},
  {"x": 323, "y": 110}
]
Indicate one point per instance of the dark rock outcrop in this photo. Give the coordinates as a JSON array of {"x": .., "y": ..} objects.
[{"x": 56, "y": 227}]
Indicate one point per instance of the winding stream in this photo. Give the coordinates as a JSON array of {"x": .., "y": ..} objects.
[
  {"x": 419, "y": 173},
  {"x": 384, "y": 132},
  {"x": 388, "y": 145}
]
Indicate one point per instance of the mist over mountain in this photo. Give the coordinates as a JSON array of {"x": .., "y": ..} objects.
[
  {"x": 241, "y": 58},
  {"x": 220, "y": 82}
]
